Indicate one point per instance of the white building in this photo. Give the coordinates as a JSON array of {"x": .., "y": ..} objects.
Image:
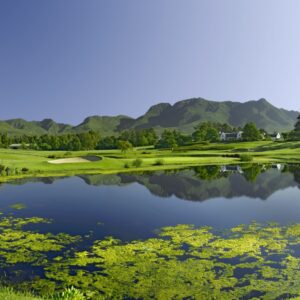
[
  {"x": 231, "y": 136},
  {"x": 276, "y": 136},
  {"x": 18, "y": 146}
]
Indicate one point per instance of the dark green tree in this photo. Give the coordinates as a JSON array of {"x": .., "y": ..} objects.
[
  {"x": 124, "y": 146},
  {"x": 295, "y": 134},
  {"x": 168, "y": 139},
  {"x": 251, "y": 133},
  {"x": 297, "y": 125},
  {"x": 208, "y": 131},
  {"x": 109, "y": 142},
  {"x": 212, "y": 135}
]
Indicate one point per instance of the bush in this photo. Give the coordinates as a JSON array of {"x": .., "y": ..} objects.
[
  {"x": 51, "y": 156},
  {"x": 25, "y": 170},
  {"x": 68, "y": 153},
  {"x": 137, "y": 162},
  {"x": 126, "y": 166},
  {"x": 159, "y": 162},
  {"x": 69, "y": 294},
  {"x": 245, "y": 157},
  {"x": 8, "y": 171}
]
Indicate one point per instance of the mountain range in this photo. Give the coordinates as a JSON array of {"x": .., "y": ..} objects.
[{"x": 183, "y": 115}]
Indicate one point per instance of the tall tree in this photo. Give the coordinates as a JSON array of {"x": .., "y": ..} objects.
[
  {"x": 295, "y": 134},
  {"x": 251, "y": 133},
  {"x": 124, "y": 146},
  {"x": 207, "y": 131}
]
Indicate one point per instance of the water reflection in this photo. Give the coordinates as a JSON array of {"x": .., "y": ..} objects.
[
  {"x": 205, "y": 182},
  {"x": 131, "y": 205},
  {"x": 202, "y": 182}
]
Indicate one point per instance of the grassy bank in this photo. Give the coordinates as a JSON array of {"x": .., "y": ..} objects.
[
  {"x": 7, "y": 293},
  {"x": 113, "y": 161},
  {"x": 10, "y": 294}
]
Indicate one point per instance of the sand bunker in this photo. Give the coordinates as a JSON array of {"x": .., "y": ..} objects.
[{"x": 73, "y": 160}]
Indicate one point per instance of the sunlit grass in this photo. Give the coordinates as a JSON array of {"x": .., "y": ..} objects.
[{"x": 113, "y": 161}]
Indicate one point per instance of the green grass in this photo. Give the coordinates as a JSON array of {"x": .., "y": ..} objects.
[
  {"x": 113, "y": 161},
  {"x": 10, "y": 294},
  {"x": 7, "y": 293}
]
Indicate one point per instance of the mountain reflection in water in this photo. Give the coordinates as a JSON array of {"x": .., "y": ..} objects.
[{"x": 201, "y": 183}]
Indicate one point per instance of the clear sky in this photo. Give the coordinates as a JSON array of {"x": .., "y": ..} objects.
[{"x": 68, "y": 59}]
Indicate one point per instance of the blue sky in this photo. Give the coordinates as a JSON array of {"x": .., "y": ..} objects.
[{"x": 68, "y": 59}]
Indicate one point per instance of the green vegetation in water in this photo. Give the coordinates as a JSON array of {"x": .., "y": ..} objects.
[
  {"x": 18, "y": 206},
  {"x": 187, "y": 262},
  {"x": 25, "y": 246},
  {"x": 183, "y": 261}
]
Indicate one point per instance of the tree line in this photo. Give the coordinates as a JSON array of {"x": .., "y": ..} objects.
[
  {"x": 90, "y": 140},
  {"x": 203, "y": 132}
]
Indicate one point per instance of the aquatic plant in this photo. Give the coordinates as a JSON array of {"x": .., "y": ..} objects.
[
  {"x": 18, "y": 206},
  {"x": 248, "y": 262},
  {"x": 25, "y": 246},
  {"x": 188, "y": 262}
]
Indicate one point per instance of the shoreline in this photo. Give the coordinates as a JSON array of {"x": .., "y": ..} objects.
[{"x": 33, "y": 163}]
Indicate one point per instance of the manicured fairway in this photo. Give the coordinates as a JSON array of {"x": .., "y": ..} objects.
[{"x": 113, "y": 161}]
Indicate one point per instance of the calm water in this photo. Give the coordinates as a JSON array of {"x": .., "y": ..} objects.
[
  {"x": 132, "y": 206},
  {"x": 35, "y": 255}
]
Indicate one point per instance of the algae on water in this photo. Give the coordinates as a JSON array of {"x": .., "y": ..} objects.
[{"x": 248, "y": 261}]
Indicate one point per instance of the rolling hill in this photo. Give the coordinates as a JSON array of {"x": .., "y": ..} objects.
[
  {"x": 183, "y": 115},
  {"x": 188, "y": 113}
]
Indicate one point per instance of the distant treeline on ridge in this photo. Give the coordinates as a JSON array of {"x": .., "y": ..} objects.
[{"x": 91, "y": 140}]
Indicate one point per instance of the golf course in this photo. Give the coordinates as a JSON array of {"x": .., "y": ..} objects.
[{"x": 33, "y": 163}]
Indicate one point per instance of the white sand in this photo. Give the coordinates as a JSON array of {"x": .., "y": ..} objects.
[{"x": 71, "y": 160}]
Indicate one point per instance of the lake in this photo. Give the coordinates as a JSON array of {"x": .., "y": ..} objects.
[{"x": 77, "y": 213}]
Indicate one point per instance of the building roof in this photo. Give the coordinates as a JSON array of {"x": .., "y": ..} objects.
[
  {"x": 18, "y": 145},
  {"x": 231, "y": 134},
  {"x": 275, "y": 134}
]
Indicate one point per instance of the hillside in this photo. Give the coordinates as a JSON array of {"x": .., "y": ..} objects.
[
  {"x": 188, "y": 113},
  {"x": 183, "y": 115},
  {"x": 106, "y": 125},
  {"x": 20, "y": 126}
]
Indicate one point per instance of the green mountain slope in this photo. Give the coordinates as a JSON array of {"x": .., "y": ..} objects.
[
  {"x": 188, "y": 113},
  {"x": 20, "y": 126},
  {"x": 52, "y": 127},
  {"x": 105, "y": 125},
  {"x": 183, "y": 115}
]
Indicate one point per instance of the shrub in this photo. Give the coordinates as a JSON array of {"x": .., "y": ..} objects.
[
  {"x": 137, "y": 162},
  {"x": 25, "y": 170},
  {"x": 8, "y": 171},
  {"x": 246, "y": 157},
  {"x": 51, "y": 156},
  {"x": 159, "y": 162},
  {"x": 68, "y": 153},
  {"x": 126, "y": 166},
  {"x": 69, "y": 294}
]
